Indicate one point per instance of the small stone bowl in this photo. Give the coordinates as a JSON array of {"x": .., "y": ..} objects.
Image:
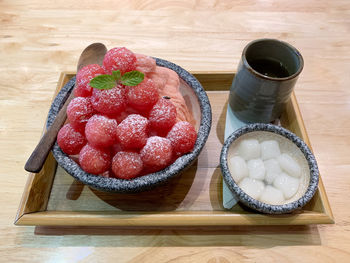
[
  {"x": 197, "y": 101},
  {"x": 307, "y": 188}
]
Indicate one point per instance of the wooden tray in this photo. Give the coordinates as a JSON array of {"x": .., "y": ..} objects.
[{"x": 52, "y": 197}]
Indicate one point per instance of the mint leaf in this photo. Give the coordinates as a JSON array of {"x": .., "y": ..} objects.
[
  {"x": 116, "y": 75},
  {"x": 132, "y": 78},
  {"x": 103, "y": 82}
]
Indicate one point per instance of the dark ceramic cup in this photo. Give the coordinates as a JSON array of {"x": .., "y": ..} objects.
[{"x": 265, "y": 78}]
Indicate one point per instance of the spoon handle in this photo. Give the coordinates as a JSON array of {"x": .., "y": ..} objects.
[
  {"x": 93, "y": 54},
  {"x": 38, "y": 157}
]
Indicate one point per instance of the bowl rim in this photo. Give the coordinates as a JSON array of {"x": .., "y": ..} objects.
[
  {"x": 258, "y": 205},
  {"x": 148, "y": 181}
]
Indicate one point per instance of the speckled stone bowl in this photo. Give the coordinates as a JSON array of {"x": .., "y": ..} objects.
[
  {"x": 258, "y": 205},
  {"x": 197, "y": 101}
]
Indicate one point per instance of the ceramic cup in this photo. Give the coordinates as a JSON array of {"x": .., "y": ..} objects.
[{"x": 265, "y": 79}]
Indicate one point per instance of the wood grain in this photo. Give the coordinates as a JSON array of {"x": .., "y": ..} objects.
[{"x": 39, "y": 39}]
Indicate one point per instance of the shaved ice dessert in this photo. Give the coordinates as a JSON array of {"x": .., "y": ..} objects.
[
  {"x": 129, "y": 117},
  {"x": 268, "y": 167}
]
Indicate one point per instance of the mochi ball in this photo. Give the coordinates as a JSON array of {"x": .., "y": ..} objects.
[
  {"x": 273, "y": 169},
  {"x": 289, "y": 165},
  {"x": 270, "y": 149},
  {"x": 287, "y": 184},
  {"x": 238, "y": 168},
  {"x": 252, "y": 187},
  {"x": 249, "y": 149},
  {"x": 272, "y": 196},
  {"x": 256, "y": 169}
]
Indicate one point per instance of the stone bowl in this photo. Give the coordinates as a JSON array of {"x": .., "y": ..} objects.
[
  {"x": 196, "y": 100},
  {"x": 308, "y": 184}
]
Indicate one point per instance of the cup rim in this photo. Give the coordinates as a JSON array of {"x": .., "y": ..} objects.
[{"x": 295, "y": 51}]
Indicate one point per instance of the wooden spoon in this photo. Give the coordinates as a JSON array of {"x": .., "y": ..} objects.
[{"x": 93, "y": 54}]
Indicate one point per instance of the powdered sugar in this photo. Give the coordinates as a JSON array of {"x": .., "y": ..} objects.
[
  {"x": 143, "y": 96},
  {"x": 127, "y": 165},
  {"x": 93, "y": 160},
  {"x": 162, "y": 116},
  {"x": 79, "y": 111},
  {"x": 133, "y": 131},
  {"x": 101, "y": 131},
  {"x": 183, "y": 137},
  {"x": 119, "y": 58},
  {"x": 157, "y": 152},
  {"x": 112, "y": 101},
  {"x": 70, "y": 140},
  {"x": 83, "y": 88}
]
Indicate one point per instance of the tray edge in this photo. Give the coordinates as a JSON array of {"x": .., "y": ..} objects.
[
  {"x": 193, "y": 218},
  {"x": 24, "y": 207}
]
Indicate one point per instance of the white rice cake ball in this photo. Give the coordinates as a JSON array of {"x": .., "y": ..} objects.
[
  {"x": 289, "y": 165},
  {"x": 270, "y": 149},
  {"x": 256, "y": 169},
  {"x": 273, "y": 169},
  {"x": 287, "y": 184},
  {"x": 272, "y": 196},
  {"x": 249, "y": 149},
  {"x": 238, "y": 168},
  {"x": 252, "y": 187}
]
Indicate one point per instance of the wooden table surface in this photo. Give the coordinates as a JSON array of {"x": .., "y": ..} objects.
[{"x": 39, "y": 39}]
